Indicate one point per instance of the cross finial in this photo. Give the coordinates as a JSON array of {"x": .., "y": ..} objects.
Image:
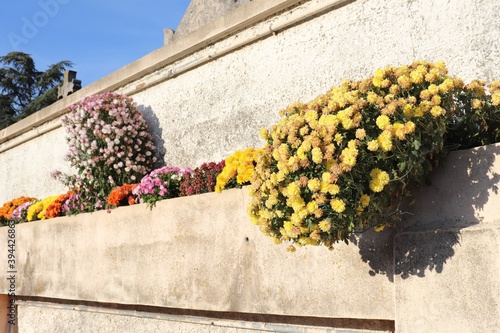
[{"x": 69, "y": 85}]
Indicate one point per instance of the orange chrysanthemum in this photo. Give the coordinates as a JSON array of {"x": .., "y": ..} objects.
[
  {"x": 122, "y": 195},
  {"x": 9, "y": 207},
  {"x": 54, "y": 210}
]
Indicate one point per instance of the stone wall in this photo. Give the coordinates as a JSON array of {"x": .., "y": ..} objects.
[{"x": 208, "y": 93}]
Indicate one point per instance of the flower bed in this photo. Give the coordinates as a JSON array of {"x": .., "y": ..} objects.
[{"x": 338, "y": 164}]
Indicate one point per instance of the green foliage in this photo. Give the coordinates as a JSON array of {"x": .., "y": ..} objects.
[
  {"x": 24, "y": 89},
  {"x": 475, "y": 120}
]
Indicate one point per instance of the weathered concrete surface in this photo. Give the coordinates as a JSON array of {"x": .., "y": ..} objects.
[
  {"x": 447, "y": 268},
  {"x": 201, "y": 12},
  {"x": 463, "y": 191},
  {"x": 460, "y": 292},
  {"x": 198, "y": 252},
  {"x": 25, "y": 170}
]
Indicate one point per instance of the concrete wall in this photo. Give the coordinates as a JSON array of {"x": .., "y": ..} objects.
[
  {"x": 437, "y": 271},
  {"x": 196, "y": 252},
  {"x": 208, "y": 93}
]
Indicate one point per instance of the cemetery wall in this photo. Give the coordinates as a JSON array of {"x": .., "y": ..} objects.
[{"x": 207, "y": 94}]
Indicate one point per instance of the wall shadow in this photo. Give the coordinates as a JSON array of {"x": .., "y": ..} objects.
[
  {"x": 458, "y": 196},
  {"x": 157, "y": 132}
]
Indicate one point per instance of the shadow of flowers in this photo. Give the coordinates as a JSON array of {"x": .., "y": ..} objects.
[
  {"x": 157, "y": 132},
  {"x": 459, "y": 196}
]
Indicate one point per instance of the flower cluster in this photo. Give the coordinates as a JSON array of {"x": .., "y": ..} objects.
[
  {"x": 55, "y": 209},
  {"x": 160, "y": 184},
  {"x": 202, "y": 180},
  {"x": 76, "y": 204},
  {"x": 20, "y": 214},
  {"x": 109, "y": 145},
  {"x": 122, "y": 195},
  {"x": 238, "y": 169},
  {"x": 38, "y": 210},
  {"x": 342, "y": 161},
  {"x": 476, "y": 117},
  {"x": 9, "y": 207}
]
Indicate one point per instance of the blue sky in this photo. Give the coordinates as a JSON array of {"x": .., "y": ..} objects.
[{"x": 99, "y": 37}]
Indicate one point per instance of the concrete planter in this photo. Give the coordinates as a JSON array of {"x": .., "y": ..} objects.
[{"x": 439, "y": 271}]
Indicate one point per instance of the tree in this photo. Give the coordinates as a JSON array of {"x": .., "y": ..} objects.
[{"x": 24, "y": 89}]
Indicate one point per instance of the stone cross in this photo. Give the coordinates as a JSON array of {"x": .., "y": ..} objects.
[{"x": 69, "y": 85}]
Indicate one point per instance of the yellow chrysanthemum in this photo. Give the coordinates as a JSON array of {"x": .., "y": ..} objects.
[
  {"x": 37, "y": 210},
  {"x": 360, "y": 134},
  {"x": 476, "y": 103},
  {"x": 301, "y": 154},
  {"x": 365, "y": 200},
  {"x": 288, "y": 226},
  {"x": 337, "y": 205},
  {"x": 314, "y": 184},
  {"x": 332, "y": 189},
  {"x": 446, "y": 86},
  {"x": 372, "y": 97},
  {"x": 409, "y": 127},
  {"x": 326, "y": 177},
  {"x": 378, "y": 180},
  {"x": 408, "y": 110},
  {"x": 436, "y": 100},
  {"x": 399, "y": 130},
  {"x": 404, "y": 81},
  {"x": 394, "y": 89},
  {"x": 378, "y": 77},
  {"x": 311, "y": 207},
  {"x": 317, "y": 155},
  {"x": 271, "y": 201},
  {"x": 239, "y": 166},
  {"x": 433, "y": 75},
  {"x": 433, "y": 89},
  {"x": 437, "y": 111},
  {"x": 338, "y": 138},
  {"x": 477, "y": 86},
  {"x": 495, "y": 98},
  {"x": 348, "y": 156},
  {"x": 384, "y": 141},
  {"x": 347, "y": 123},
  {"x": 495, "y": 86},
  {"x": 417, "y": 76},
  {"x": 372, "y": 145},
  {"x": 425, "y": 94},
  {"x": 383, "y": 121},
  {"x": 325, "y": 225},
  {"x": 264, "y": 133},
  {"x": 276, "y": 240},
  {"x": 292, "y": 190}
]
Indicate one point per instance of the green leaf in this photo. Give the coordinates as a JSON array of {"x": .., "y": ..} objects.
[
  {"x": 402, "y": 166},
  {"x": 416, "y": 144}
]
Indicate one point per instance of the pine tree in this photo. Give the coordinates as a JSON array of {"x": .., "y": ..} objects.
[{"x": 24, "y": 89}]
